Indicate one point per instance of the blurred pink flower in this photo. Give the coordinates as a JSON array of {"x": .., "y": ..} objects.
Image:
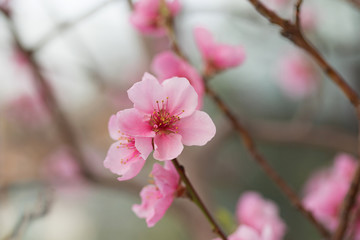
[
  {"x": 261, "y": 215},
  {"x": 147, "y": 18},
  {"x": 167, "y": 64},
  {"x": 126, "y": 157},
  {"x": 156, "y": 199},
  {"x": 217, "y": 56},
  {"x": 326, "y": 190},
  {"x": 28, "y": 109},
  {"x": 308, "y": 18},
  {"x": 167, "y": 114},
  {"x": 297, "y": 75},
  {"x": 244, "y": 232},
  {"x": 61, "y": 167}
]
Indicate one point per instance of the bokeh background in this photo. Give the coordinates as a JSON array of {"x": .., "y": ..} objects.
[{"x": 92, "y": 60}]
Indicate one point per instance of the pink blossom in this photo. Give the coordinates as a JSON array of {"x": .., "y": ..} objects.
[
  {"x": 261, "y": 215},
  {"x": 167, "y": 65},
  {"x": 217, "y": 56},
  {"x": 326, "y": 190},
  {"x": 165, "y": 113},
  {"x": 147, "y": 16},
  {"x": 244, "y": 232},
  {"x": 308, "y": 18},
  {"x": 61, "y": 167},
  {"x": 156, "y": 199},
  {"x": 28, "y": 109},
  {"x": 127, "y": 155},
  {"x": 297, "y": 76}
]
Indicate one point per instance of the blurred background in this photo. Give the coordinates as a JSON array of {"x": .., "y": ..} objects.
[{"x": 90, "y": 55}]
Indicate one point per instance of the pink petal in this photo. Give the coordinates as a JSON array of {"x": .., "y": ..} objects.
[
  {"x": 167, "y": 65},
  {"x": 167, "y": 181},
  {"x": 225, "y": 56},
  {"x": 174, "y": 7},
  {"x": 149, "y": 195},
  {"x": 144, "y": 146},
  {"x": 161, "y": 206},
  {"x": 145, "y": 93},
  {"x": 167, "y": 146},
  {"x": 245, "y": 233},
  {"x": 196, "y": 129},
  {"x": 114, "y": 128},
  {"x": 204, "y": 41},
  {"x": 153, "y": 205},
  {"x": 132, "y": 122},
  {"x": 182, "y": 97},
  {"x": 117, "y": 154}
]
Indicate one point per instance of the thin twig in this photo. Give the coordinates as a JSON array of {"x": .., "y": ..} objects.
[
  {"x": 298, "y": 13},
  {"x": 197, "y": 200},
  {"x": 293, "y": 33},
  {"x": 62, "y": 27},
  {"x": 41, "y": 208},
  {"x": 250, "y": 144}
]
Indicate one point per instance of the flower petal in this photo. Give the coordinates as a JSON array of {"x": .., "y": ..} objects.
[
  {"x": 145, "y": 93},
  {"x": 166, "y": 180},
  {"x": 132, "y": 122},
  {"x": 225, "y": 56},
  {"x": 144, "y": 146},
  {"x": 182, "y": 97},
  {"x": 204, "y": 40},
  {"x": 123, "y": 161},
  {"x": 114, "y": 128},
  {"x": 167, "y": 146},
  {"x": 196, "y": 129},
  {"x": 167, "y": 65}
]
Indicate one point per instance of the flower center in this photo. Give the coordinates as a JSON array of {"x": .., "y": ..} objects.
[
  {"x": 162, "y": 121},
  {"x": 128, "y": 143}
]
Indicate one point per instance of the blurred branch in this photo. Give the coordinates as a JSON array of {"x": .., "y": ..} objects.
[
  {"x": 303, "y": 133},
  {"x": 194, "y": 196},
  {"x": 248, "y": 141},
  {"x": 297, "y": 14},
  {"x": 41, "y": 208},
  {"x": 62, "y": 27},
  {"x": 61, "y": 123},
  {"x": 356, "y": 3},
  {"x": 293, "y": 33}
]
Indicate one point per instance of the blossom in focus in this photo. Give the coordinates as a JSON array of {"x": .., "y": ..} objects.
[
  {"x": 261, "y": 215},
  {"x": 326, "y": 190},
  {"x": 166, "y": 65},
  {"x": 147, "y": 15},
  {"x": 217, "y": 56},
  {"x": 166, "y": 114},
  {"x": 157, "y": 198},
  {"x": 297, "y": 76},
  {"x": 127, "y": 155}
]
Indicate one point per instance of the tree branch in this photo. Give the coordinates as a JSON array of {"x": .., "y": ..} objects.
[
  {"x": 248, "y": 141},
  {"x": 294, "y": 34},
  {"x": 197, "y": 200}
]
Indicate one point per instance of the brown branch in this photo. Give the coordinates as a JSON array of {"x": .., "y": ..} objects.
[
  {"x": 248, "y": 141},
  {"x": 197, "y": 200},
  {"x": 272, "y": 174},
  {"x": 293, "y": 33},
  {"x": 62, "y": 27}
]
